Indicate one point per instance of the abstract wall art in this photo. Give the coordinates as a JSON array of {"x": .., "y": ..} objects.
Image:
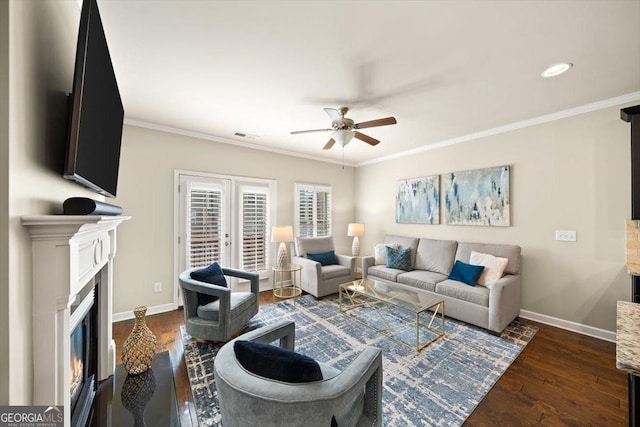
[
  {"x": 418, "y": 200},
  {"x": 477, "y": 197}
]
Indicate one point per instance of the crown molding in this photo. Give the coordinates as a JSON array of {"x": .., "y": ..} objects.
[
  {"x": 599, "y": 105},
  {"x": 223, "y": 140}
]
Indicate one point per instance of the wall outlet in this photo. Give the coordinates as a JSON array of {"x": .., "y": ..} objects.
[
  {"x": 566, "y": 235},
  {"x": 157, "y": 287}
]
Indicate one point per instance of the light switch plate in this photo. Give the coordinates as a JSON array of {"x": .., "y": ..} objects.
[
  {"x": 157, "y": 287},
  {"x": 566, "y": 235}
]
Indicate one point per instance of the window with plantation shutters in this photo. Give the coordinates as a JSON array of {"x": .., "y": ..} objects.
[
  {"x": 313, "y": 210},
  {"x": 205, "y": 226},
  {"x": 255, "y": 225}
]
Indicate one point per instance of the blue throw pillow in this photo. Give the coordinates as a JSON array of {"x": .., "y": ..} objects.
[
  {"x": 212, "y": 274},
  {"x": 400, "y": 259},
  {"x": 466, "y": 273},
  {"x": 324, "y": 258},
  {"x": 276, "y": 363}
]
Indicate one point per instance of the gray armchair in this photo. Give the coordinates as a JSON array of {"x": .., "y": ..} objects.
[
  {"x": 221, "y": 319},
  {"x": 320, "y": 280},
  {"x": 353, "y": 396}
]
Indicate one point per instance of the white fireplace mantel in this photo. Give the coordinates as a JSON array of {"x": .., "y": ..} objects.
[{"x": 68, "y": 252}]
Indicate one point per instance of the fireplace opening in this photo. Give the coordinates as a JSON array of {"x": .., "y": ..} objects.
[
  {"x": 77, "y": 367},
  {"x": 83, "y": 361}
]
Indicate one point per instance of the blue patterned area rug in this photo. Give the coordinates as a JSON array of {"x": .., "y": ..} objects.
[{"x": 440, "y": 386}]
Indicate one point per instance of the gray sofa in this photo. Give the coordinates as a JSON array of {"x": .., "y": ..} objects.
[{"x": 432, "y": 260}]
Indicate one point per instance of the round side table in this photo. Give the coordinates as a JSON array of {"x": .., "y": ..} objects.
[{"x": 288, "y": 291}]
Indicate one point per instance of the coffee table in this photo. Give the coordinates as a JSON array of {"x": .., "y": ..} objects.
[{"x": 397, "y": 308}]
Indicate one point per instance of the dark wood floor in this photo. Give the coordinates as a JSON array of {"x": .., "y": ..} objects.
[{"x": 560, "y": 379}]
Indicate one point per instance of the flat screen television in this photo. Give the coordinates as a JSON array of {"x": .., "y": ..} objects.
[{"x": 96, "y": 111}]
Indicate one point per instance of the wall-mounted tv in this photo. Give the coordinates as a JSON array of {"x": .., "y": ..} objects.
[{"x": 97, "y": 114}]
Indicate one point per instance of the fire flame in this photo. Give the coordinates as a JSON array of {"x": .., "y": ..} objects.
[{"x": 77, "y": 374}]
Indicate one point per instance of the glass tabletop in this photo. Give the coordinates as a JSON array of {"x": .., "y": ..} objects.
[
  {"x": 399, "y": 295},
  {"x": 287, "y": 268}
]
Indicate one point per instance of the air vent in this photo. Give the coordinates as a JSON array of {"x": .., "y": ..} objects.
[{"x": 245, "y": 135}]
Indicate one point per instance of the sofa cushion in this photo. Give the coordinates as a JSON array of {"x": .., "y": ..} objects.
[
  {"x": 436, "y": 255},
  {"x": 399, "y": 258},
  {"x": 493, "y": 267},
  {"x": 383, "y": 272},
  {"x": 239, "y": 302},
  {"x": 510, "y": 252},
  {"x": 276, "y": 363},
  {"x": 466, "y": 273},
  {"x": 333, "y": 271},
  {"x": 473, "y": 294},
  {"x": 404, "y": 242},
  {"x": 212, "y": 274},
  {"x": 380, "y": 252},
  {"x": 421, "y": 279},
  {"x": 324, "y": 258},
  {"x": 314, "y": 245}
]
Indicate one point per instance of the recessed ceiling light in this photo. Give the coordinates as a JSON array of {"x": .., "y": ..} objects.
[{"x": 557, "y": 69}]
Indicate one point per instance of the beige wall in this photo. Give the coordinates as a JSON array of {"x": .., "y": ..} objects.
[
  {"x": 43, "y": 36},
  {"x": 570, "y": 174},
  {"x": 4, "y": 200},
  {"x": 146, "y": 192}
]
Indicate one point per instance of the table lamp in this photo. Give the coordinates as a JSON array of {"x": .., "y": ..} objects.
[
  {"x": 284, "y": 235},
  {"x": 356, "y": 230}
]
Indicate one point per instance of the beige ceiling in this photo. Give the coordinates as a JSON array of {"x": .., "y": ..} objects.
[{"x": 444, "y": 69}]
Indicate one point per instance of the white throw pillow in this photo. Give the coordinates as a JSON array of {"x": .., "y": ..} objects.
[
  {"x": 493, "y": 267},
  {"x": 380, "y": 252}
]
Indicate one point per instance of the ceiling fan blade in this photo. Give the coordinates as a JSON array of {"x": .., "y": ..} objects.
[
  {"x": 333, "y": 114},
  {"x": 366, "y": 138},
  {"x": 309, "y": 131},
  {"x": 373, "y": 123},
  {"x": 329, "y": 144}
]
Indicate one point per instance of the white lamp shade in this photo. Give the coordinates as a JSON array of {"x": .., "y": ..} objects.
[
  {"x": 355, "y": 229},
  {"x": 282, "y": 233}
]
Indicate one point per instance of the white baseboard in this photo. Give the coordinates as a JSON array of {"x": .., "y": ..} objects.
[
  {"x": 569, "y": 326},
  {"x": 156, "y": 309}
]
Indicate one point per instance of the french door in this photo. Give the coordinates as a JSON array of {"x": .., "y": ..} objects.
[{"x": 224, "y": 220}]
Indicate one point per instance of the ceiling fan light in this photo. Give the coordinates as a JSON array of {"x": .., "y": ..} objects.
[{"x": 343, "y": 136}]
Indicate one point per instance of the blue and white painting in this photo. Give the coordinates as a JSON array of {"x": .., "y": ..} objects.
[
  {"x": 477, "y": 197},
  {"x": 418, "y": 200}
]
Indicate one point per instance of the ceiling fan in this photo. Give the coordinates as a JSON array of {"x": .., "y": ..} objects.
[{"x": 344, "y": 129}]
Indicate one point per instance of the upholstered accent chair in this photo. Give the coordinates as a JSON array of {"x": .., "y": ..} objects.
[
  {"x": 317, "y": 279},
  {"x": 352, "y": 396},
  {"x": 218, "y": 320}
]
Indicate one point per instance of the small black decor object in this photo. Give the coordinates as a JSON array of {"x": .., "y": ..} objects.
[{"x": 86, "y": 206}]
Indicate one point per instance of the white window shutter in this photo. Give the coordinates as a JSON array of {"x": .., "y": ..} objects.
[
  {"x": 313, "y": 210},
  {"x": 323, "y": 213},
  {"x": 305, "y": 212},
  {"x": 204, "y": 226},
  {"x": 255, "y": 225}
]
